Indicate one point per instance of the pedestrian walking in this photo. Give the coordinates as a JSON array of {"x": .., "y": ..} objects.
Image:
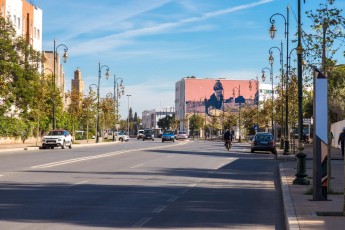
[{"x": 341, "y": 141}]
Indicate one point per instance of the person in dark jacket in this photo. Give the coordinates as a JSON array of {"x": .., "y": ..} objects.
[{"x": 341, "y": 141}]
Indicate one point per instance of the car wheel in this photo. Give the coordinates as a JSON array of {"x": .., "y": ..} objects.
[
  {"x": 44, "y": 146},
  {"x": 252, "y": 150},
  {"x": 274, "y": 152},
  {"x": 153, "y": 139},
  {"x": 63, "y": 145},
  {"x": 121, "y": 139},
  {"x": 143, "y": 139},
  {"x": 173, "y": 140},
  {"x": 162, "y": 140},
  {"x": 70, "y": 145},
  {"x": 52, "y": 147}
]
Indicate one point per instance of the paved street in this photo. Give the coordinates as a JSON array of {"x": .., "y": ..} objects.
[{"x": 151, "y": 185}]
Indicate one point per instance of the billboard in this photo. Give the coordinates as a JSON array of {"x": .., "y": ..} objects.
[{"x": 213, "y": 96}]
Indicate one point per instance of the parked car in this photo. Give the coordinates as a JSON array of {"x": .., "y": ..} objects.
[
  {"x": 121, "y": 136},
  {"x": 168, "y": 135},
  {"x": 263, "y": 141},
  {"x": 57, "y": 138},
  {"x": 140, "y": 134},
  {"x": 182, "y": 135},
  {"x": 148, "y": 134}
]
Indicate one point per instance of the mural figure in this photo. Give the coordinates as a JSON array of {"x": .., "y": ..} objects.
[{"x": 216, "y": 99}]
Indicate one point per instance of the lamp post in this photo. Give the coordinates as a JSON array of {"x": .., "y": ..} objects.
[
  {"x": 258, "y": 97},
  {"x": 239, "y": 110},
  {"x": 64, "y": 56},
  {"x": 128, "y": 95},
  {"x": 272, "y": 93},
  {"x": 98, "y": 86},
  {"x": 272, "y": 32},
  {"x": 91, "y": 91},
  {"x": 119, "y": 90},
  {"x": 281, "y": 60},
  {"x": 301, "y": 175}
]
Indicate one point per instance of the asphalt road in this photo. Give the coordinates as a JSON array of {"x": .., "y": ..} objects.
[{"x": 149, "y": 185}]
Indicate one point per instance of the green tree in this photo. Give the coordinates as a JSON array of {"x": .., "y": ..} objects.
[{"x": 196, "y": 121}]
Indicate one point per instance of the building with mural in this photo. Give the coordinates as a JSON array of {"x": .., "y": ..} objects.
[{"x": 211, "y": 97}]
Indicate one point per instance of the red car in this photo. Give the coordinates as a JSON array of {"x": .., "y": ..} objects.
[{"x": 263, "y": 141}]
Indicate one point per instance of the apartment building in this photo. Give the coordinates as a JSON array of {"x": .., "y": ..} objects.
[{"x": 26, "y": 19}]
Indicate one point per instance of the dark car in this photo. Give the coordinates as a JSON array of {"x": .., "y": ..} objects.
[
  {"x": 148, "y": 134},
  {"x": 263, "y": 141},
  {"x": 168, "y": 135}
]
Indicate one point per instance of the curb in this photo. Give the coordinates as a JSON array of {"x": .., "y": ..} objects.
[
  {"x": 291, "y": 221},
  {"x": 39, "y": 147}
]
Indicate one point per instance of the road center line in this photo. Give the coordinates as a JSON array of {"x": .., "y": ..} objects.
[
  {"x": 141, "y": 222},
  {"x": 136, "y": 166},
  {"x": 173, "y": 198},
  {"x": 159, "y": 209},
  {"x": 111, "y": 154}
]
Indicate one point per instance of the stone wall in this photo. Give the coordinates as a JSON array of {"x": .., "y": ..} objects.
[{"x": 9, "y": 140}]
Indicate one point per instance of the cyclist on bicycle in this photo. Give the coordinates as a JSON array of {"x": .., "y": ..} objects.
[{"x": 227, "y": 136}]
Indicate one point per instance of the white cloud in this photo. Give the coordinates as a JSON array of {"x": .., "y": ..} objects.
[{"x": 110, "y": 42}]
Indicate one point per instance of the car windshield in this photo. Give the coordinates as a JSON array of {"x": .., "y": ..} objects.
[
  {"x": 264, "y": 137},
  {"x": 55, "y": 133},
  {"x": 168, "y": 132},
  {"x": 182, "y": 132},
  {"x": 148, "y": 131}
]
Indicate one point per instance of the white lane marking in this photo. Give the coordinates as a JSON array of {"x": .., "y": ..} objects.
[
  {"x": 141, "y": 222},
  {"x": 183, "y": 191},
  {"x": 1, "y": 175},
  {"x": 192, "y": 185},
  {"x": 170, "y": 156},
  {"x": 81, "y": 182},
  {"x": 173, "y": 198},
  {"x": 136, "y": 166},
  {"x": 159, "y": 209},
  {"x": 70, "y": 161}
]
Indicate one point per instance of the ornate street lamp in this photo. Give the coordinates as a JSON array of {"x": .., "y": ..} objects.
[
  {"x": 258, "y": 97},
  {"x": 271, "y": 61},
  {"x": 119, "y": 90},
  {"x": 128, "y": 95},
  {"x": 239, "y": 110},
  {"x": 301, "y": 175},
  {"x": 272, "y": 93},
  {"x": 64, "y": 56},
  {"x": 98, "y": 86},
  {"x": 272, "y": 35}
]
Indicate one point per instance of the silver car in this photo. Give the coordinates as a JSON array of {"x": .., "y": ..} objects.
[{"x": 182, "y": 135}]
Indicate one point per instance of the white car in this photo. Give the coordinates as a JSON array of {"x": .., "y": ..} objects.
[
  {"x": 140, "y": 134},
  {"x": 57, "y": 138},
  {"x": 120, "y": 136}
]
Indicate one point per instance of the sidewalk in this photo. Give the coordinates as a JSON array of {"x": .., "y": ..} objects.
[
  {"x": 300, "y": 211},
  {"x": 33, "y": 146}
]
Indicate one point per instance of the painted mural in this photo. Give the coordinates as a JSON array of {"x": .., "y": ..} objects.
[{"x": 212, "y": 96}]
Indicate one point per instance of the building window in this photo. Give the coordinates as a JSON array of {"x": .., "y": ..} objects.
[
  {"x": 14, "y": 20},
  {"x": 19, "y": 23},
  {"x": 35, "y": 32},
  {"x": 38, "y": 34}
]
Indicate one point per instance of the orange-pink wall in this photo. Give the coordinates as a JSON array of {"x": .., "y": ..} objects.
[{"x": 199, "y": 88}]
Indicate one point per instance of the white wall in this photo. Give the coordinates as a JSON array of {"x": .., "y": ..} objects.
[
  {"x": 14, "y": 11},
  {"x": 37, "y": 40},
  {"x": 336, "y": 129}
]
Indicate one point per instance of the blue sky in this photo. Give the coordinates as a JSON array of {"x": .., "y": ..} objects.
[{"x": 152, "y": 44}]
